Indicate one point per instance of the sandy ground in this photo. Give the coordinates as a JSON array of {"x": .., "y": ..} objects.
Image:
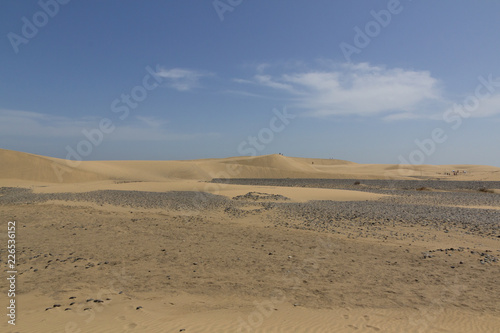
[
  {"x": 212, "y": 272},
  {"x": 85, "y": 266}
]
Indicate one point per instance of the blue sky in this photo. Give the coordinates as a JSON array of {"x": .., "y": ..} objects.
[{"x": 367, "y": 81}]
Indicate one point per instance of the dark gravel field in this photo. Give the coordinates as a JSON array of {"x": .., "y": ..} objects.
[
  {"x": 174, "y": 200},
  {"x": 428, "y": 192},
  {"x": 370, "y": 185},
  {"x": 412, "y": 202},
  {"x": 368, "y": 216},
  {"x": 405, "y": 207}
]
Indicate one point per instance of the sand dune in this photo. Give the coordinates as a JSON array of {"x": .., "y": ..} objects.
[
  {"x": 23, "y": 166},
  {"x": 33, "y": 168},
  {"x": 216, "y": 271},
  {"x": 159, "y": 257}
]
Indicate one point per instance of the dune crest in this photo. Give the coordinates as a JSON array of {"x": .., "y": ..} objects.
[
  {"x": 34, "y": 168},
  {"x": 30, "y": 167}
]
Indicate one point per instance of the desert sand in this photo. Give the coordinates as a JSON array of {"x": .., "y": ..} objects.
[{"x": 277, "y": 244}]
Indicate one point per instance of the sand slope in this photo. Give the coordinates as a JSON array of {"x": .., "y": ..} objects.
[
  {"x": 23, "y": 166},
  {"x": 188, "y": 270},
  {"x": 20, "y": 166},
  {"x": 211, "y": 271}
]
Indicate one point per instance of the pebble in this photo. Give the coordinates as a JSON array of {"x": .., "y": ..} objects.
[{"x": 321, "y": 215}]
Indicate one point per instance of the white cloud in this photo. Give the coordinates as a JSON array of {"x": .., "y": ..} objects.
[
  {"x": 268, "y": 81},
  {"x": 262, "y": 67},
  {"x": 487, "y": 107},
  {"x": 472, "y": 107},
  {"x": 242, "y": 93},
  {"x": 182, "y": 79},
  {"x": 244, "y": 81},
  {"x": 356, "y": 89},
  {"x": 402, "y": 116},
  {"x": 152, "y": 121}
]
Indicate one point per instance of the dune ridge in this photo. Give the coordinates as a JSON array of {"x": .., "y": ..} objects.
[
  {"x": 133, "y": 246},
  {"x": 35, "y": 168}
]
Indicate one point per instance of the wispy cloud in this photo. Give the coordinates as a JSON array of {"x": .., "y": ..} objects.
[
  {"x": 357, "y": 89},
  {"x": 33, "y": 124},
  {"x": 487, "y": 107},
  {"x": 182, "y": 79},
  {"x": 134, "y": 133},
  {"x": 243, "y": 81},
  {"x": 269, "y": 81},
  {"x": 26, "y": 124},
  {"x": 242, "y": 93},
  {"x": 404, "y": 116},
  {"x": 262, "y": 67},
  {"x": 152, "y": 122}
]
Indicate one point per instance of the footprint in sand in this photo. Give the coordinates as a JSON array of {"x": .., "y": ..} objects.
[
  {"x": 346, "y": 317},
  {"x": 373, "y": 327},
  {"x": 352, "y": 326},
  {"x": 131, "y": 326}
]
